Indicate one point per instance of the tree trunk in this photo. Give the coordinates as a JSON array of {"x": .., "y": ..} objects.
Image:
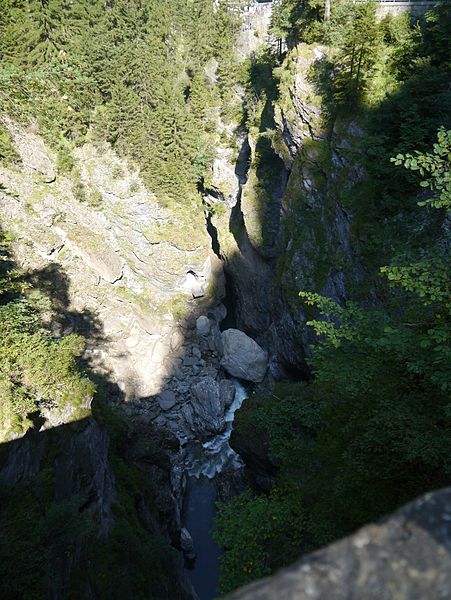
[
  {"x": 327, "y": 10},
  {"x": 357, "y": 79}
]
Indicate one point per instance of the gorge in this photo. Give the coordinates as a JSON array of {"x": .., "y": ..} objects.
[{"x": 224, "y": 300}]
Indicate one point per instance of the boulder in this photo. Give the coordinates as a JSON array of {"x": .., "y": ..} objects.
[
  {"x": 215, "y": 339},
  {"x": 167, "y": 400},
  {"x": 243, "y": 357},
  {"x": 190, "y": 361},
  {"x": 218, "y": 313},
  {"x": 203, "y": 325},
  {"x": 196, "y": 352},
  {"x": 205, "y": 412},
  {"x": 187, "y": 544},
  {"x": 194, "y": 284}
]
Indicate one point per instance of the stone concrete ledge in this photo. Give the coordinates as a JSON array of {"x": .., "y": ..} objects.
[{"x": 406, "y": 556}]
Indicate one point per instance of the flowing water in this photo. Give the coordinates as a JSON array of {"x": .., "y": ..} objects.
[
  {"x": 203, "y": 463},
  {"x": 210, "y": 458}
]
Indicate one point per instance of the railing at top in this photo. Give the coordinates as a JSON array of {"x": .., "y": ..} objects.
[
  {"x": 408, "y": 2},
  {"x": 415, "y": 7}
]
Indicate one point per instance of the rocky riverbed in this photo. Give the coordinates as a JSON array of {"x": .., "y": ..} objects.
[{"x": 195, "y": 398}]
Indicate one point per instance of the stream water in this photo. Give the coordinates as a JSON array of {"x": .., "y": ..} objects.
[{"x": 204, "y": 462}]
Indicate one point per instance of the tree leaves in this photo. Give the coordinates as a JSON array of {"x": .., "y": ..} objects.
[{"x": 436, "y": 164}]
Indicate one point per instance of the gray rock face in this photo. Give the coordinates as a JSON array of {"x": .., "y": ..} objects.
[
  {"x": 404, "y": 557},
  {"x": 23, "y": 459},
  {"x": 311, "y": 237},
  {"x": 83, "y": 470},
  {"x": 123, "y": 260},
  {"x": 31, "y": 149},
  {"x": 203, "y": 325},
  {"x": 243, "y": 357},
  {"x": 94, "y": 251}
]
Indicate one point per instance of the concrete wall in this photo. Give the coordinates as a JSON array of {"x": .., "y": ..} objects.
[{"x": 397, "y": 7}]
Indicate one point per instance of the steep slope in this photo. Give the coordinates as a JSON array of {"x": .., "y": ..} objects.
[{"x": 137, "y": 266}]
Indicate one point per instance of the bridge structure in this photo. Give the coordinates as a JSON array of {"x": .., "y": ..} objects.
[
  {"x": 397, "y": 7},
  {"x": 256, "y": 20},
  {"x": 384, "y": 7}
]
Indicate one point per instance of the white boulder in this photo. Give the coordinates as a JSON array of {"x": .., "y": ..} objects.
[{"x": 242, "y": 356}]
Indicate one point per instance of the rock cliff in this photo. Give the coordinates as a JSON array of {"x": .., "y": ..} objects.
[
  {"x": 86, "y": 494},
  {"x": 320, "y": 250},
  {"x": 287, "y": 228},
  {"x": 138, "y": 266}
]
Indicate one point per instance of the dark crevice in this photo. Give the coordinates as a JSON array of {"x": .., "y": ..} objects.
[
  {"x": 230, "y": 302},
  {"x": 296, "y": 372},
  {"x": 213, "y": 233},
  {"x": 243, "y": 162}
]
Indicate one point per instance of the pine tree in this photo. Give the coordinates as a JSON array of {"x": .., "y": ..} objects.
[{"x": 359, "y": 52}]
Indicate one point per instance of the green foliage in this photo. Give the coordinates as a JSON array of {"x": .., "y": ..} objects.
[
  {"x": 406, "y": 101},
  {"x": 11, "y": 280},
  {"x": 59, "y": 97},
  {"x": 8, "y": 155},
  {"x": 427, "y": 277},
  {"x": 95, "y": 198},
  {"x": 64, "y": 159},
  {"x": 272, "y": 526},
  {"x": 402, "y": 100},
  {"x": 35, "y": 367},
  {"x": 296, "y": 21},
  {"x": 379, "y": 400},
  {"x": 437, "y": 165},
  {"x": 379, "y": 403},
  {"x": 150, "y": 78},
  {"x": 79, "y": 189},
  {"x": 436, "y": 35},
  {"x": 359, "y": 50},
  {"x": 258, "y": 532},
  {"x": 20, "y": 521}
]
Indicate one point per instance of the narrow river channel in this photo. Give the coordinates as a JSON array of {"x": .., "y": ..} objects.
[{"x": 204, "y": 462}]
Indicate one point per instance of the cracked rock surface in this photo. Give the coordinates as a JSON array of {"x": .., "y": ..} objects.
[{"x": 105, "y": 247}]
